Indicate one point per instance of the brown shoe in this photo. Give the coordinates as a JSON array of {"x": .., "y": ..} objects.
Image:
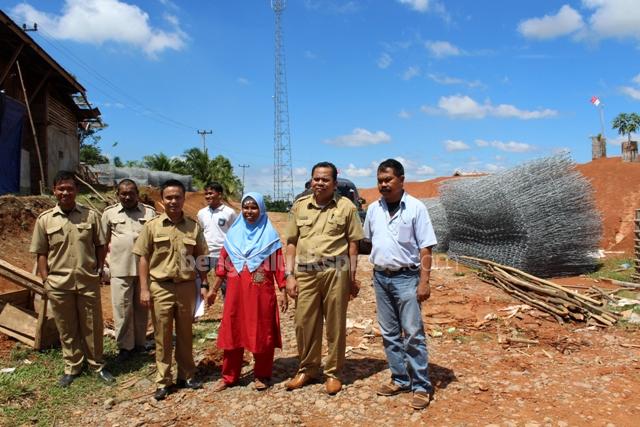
[
  {"x": 300, "y": 380},
  {"x": 261, "y": 384},
  {"x": 421, "y": 400},
  {"x": 332, "y": 385},
  {"x": 390, "y": 389},
  {"x": 219, "y": 386}
]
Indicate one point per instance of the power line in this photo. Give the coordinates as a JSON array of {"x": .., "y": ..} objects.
[
  {"x": 204, "y": 134},
  {"x": 144, "y": 110}
]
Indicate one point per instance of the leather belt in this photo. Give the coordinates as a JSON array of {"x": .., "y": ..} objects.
[
  {"x": 390, "y": 272},
  {"x": 325, "y": 263}
]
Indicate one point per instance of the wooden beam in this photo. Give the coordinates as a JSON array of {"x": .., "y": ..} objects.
[
  {"x": 21, "y": 277},
  {"x": 12, "y": 61},
  {"x": 40, "y": 85}
]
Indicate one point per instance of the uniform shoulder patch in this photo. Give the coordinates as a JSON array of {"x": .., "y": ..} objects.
[
  {"x": 151, "y": 208},
  {"x": 43, "y": 213}
]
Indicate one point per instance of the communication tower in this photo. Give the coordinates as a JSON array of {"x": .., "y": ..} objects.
[{"x": 282, "y": 171}]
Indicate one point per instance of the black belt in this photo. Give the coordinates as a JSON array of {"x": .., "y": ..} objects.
[{"x": 390, "y": 272}]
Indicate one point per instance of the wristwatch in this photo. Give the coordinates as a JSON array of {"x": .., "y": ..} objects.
[
  {"x": 204, "y": 285},
  {"x": 287, "y": 274}
]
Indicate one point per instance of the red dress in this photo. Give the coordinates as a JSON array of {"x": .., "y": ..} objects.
[{"x": 250, "y": 316}]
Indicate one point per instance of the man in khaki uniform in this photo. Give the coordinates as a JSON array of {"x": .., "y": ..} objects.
[
  {"x": 122, "y": 223},
  {"x": 69, "y": 244},
  {"x": 169, "y": 247},
  {"x": 322, "y": 254}
]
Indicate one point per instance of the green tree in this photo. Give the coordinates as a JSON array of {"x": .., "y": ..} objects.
[
  {"x": 196, "y": 162},
  {"x": 117, "y": 162},
  {"x": 626, "y": 124},
  {"x": 158, "y": 162},
  {"x": 222, "y": 171},
  {"x": 91, "y": 154}
]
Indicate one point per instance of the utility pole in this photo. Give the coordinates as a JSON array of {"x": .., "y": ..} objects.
[
  {"x": 204, "y": 134},
  {"x": 243, "y": 168}
]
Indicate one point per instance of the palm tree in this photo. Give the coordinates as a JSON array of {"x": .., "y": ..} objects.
[
  {"x": 626, "y": 124},
  {"x": 196, "y": 162},
  {"x": 157, "y": 162},
  {"x": 222, "y": 171}
]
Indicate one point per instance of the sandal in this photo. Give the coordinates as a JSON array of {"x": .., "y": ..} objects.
[
  {"x": 421, "y": 400},
  {"x": 261, "y": 384},
  {"x": 390, "y": 389},
  {"x": 219, "y": 386}
]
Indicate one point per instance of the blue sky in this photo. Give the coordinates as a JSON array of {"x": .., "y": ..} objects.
[{"x": 441, "y": 85}]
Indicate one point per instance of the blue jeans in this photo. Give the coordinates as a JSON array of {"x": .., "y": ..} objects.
[{"x": 402, "y": 330}]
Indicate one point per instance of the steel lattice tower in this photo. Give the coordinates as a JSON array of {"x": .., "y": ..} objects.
[{"x": 282, "y": 171}]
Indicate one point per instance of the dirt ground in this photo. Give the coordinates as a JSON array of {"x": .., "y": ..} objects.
[{"x": 574, "y": 376}]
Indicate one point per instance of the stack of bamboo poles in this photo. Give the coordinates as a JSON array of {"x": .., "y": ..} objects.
[
  {"x": 636, "y": 274},
  {"x": 562, "y": 303}
]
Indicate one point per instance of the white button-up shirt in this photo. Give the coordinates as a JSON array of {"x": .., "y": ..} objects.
[
  {"x": 396, "y": 240},
  {"x": 215, "y": 224}
]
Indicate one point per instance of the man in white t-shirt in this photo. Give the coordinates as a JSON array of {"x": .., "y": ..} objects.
[{"x": 215, "y": 219}]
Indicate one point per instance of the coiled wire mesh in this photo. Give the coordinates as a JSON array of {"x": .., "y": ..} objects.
[{"x": 539, "y": 217}]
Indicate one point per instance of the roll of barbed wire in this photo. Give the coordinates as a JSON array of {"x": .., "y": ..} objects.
[
  {"x": 539, "y": 217},
  {"x": 439, "y": 221}
]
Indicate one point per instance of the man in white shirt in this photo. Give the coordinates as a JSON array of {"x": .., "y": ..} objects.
[
  {"x": 216, "y": 219},
  {"x": 401, "y": 235}
]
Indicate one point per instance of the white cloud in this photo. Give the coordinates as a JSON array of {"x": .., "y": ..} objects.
[
  {"x": 631, "y": 92},
  {"x": 384, "y": 60},
  {"x": 447, "y": 80},
  {"x": 410, "y": 73},
  {"x": 102, "y": 21},
  {"x": 510, "y": 146},
  {"x": 491, "y": 167},
  {"x": 566, "y": 21},
  {"x": 359, "y": 138},
  {"x": 636, "y": 79},
  {"x": 301, "y": 171},
  {"x": 455, "y": 145},
  {"x": 458, "y": 106},
  {"x": 441, "y": 49},
  {"x": 417, "y": 5},
  {"x": 354, "y": 172},
  {"x": 425, "y": 170},
  {"x": 404, "y": 114},
  {"x": 310, "y": 55},
  {"x": 242, "y": 81},
  {"x": 614, "y": 18}
]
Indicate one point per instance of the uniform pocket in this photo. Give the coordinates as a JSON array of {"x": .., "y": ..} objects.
[
  {"x": 55, "y": 235},
  {"x": 304, "y": 226},
  {"x": 161, "y": 244},
  {"x": 335, "y": 226},
  {"x": 189, "y": 245}
]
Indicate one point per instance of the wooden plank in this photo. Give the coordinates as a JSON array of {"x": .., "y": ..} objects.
[
  {"x": 22, "y": 338},
  {"x": 11, "y": 62},
  {"x": 21, "y": 277},
  {"x": 18, "y": 320},
  {"x": 20, "y": 298}
]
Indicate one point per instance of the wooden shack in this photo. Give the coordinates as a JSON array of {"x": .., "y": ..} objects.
[{"x": 31, "y": 81}]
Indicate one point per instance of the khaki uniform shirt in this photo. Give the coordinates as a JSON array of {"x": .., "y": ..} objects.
[
  {"x": 70, "y": 242},
  {"x": 320, "y": 233},
  {"x": 172, "y": 249},
  {"x": 121, "y": 227}
]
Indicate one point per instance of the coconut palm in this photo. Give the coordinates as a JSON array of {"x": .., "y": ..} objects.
[
  {"x": 158, "y": 162},
  {"x": 626, "y": 124}
]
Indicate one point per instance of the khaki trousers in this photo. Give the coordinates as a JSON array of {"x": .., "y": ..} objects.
[
  {"x": 173, "y": 302},
  {"x": 78, "y": 317},
  {"x": 129, "y": 317},
  {"x": 322, "y": 295}
]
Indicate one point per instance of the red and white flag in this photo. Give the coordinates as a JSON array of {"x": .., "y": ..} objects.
[{"x": 595, "y": 100}]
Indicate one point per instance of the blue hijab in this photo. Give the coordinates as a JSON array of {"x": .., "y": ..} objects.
[{"x": 251, "y": 244}]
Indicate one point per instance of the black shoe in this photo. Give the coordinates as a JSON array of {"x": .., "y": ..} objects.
[
  {"x": 106, "y": 376},
  {"x": 66, "y": 380},
  {"x": 123, "y": 355},
  {"x": 139, "y": 349},
  {"x": 190, "y": 383},
  {"x": 161, "y": 393}
]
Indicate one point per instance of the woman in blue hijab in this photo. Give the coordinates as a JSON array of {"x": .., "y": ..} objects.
[{"x": 252, "y": 263}]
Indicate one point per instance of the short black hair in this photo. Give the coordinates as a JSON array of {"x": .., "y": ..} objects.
[
  {"x": 127, "y": 181},
  {"x": 172, "y": 183},
  {"x": 215, "y": 186},
  {"x": 65, "y": 176},
  {"x": 398, "y": 169},
  {"x": 334, "y": 170}
]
